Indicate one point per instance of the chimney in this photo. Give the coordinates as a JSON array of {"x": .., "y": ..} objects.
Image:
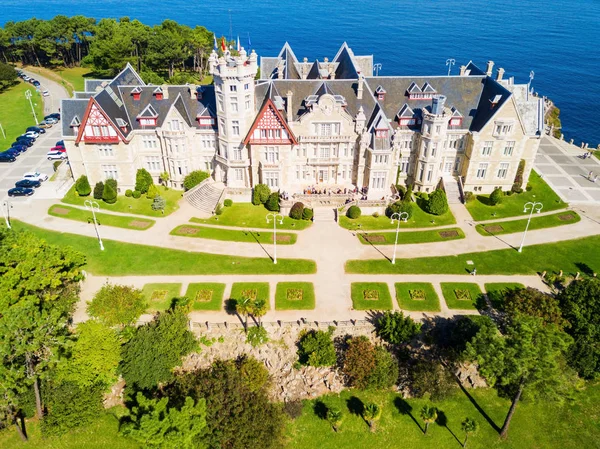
[
  {"x": 463, "y": 70},
  {"x": 437, "y": 104},
  {"x": 490, "y": 68},
  {"x": 305, "y": 68},
  {"x": 500, "y": 74},
  {"x": 165, "y": 91},
  {"x": 192, "y": 88},
  {"x": 359, "y": 90},
  {"x": 288, "y": 106}
]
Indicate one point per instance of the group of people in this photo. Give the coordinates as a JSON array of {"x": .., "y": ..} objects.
[
  {"x": 592, "y": 177},
  {"x": 334, "y": 191},
  {"x": 587, "y": 154}
]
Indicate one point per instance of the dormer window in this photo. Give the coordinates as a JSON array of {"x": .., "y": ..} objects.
[
  {"x": 415, "y": 92},
  {"x": 199, "y": 92},
  {"x": 494, "y": 101},
  {"x": 122, "y": 124},
  {"x": 136, "y": 93},
  {"x": 380, "y": 92},
  {"x": 206, "y": 121},
  {"x": 381, "y": 133},
  {"x": 148, "y": 116},
  {"x": 158, "y": 93},
  {"x": 456, "y": 119}
]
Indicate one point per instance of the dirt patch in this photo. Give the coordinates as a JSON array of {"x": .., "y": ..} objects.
[
  {"x": 448, "y": 234},
  {"x": 283, "y": 238},
  {"x": 374, "y": 238},
  {"x": 139, "y": 224},
  {"x": 294, "y": 294},
  {"x": 566, "y": 217},
  {"x": 204, "y": 295},
  {"x": 61, "y": 210},
  {"x": 493, "y": 228},
  {"x": 187, "y": 230}
]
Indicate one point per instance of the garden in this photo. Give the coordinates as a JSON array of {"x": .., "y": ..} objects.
[
  {"x": 231, "y": 235},
  {"x": 370, "y": 296},
  {"x": 417, "y": 297},
  {"x": 405, "y": 238},
  {"x": 247, "y": 215},
  {"x": 462, "y": 295},
  {"x": 295, "y": 296},
  {"x": 537, "y": 222},
  {"x": 85, "y": 216},
  {"x": 205, "y": 296},
  {"x": 160, "y": 296}
]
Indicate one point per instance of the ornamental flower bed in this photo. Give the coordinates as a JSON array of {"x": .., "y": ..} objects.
[
  {"x": 462, "y": 295},
  {"x": 204, "y": 295},
  {"x": 250, "y": 294},
  {"x": 294, "y": 294},
  {"x": 417, "y": 295},
  {"x": 371, "y": 295}
]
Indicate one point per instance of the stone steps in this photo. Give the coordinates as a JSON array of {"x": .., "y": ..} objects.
[
  {"x": 324, "y": 214},
  {"x": 452, "y": 190},
  {"x": 205, "y": 196}
]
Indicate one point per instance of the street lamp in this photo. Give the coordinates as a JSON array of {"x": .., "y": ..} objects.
[
  {"x": 529, "y": 207},
  {"x": 398, "y": 216},
  {"x": 450, "y": 62},
  {"x": 275, "y": 216},
  {"x": 377, "y": 68},
  {"x": 93, "y": 206},
  {"x": 28, "y": 96},
  {"x": 6, "y": 207}
]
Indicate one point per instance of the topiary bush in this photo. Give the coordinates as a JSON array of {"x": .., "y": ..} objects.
[
  {"x": 316, "y": 348},
  {"x": 260, "y": 194},
  {"x": 496, "y": 196},
  {"x": 219, "y": 209},
  {"x": 109, "y": 194},
  {"x": 272, "y": 203},
  {"x": 401, "y": 191},
  {"x": 194, "y": 178},
  {"x": 518, "y": 183},
  {"x": 136, "y": 194},
  {"x": 353, "y": 212},
  {"x": 469, "y": 196},
  {"x": 159, "y": 203},
  {"x": 437, "y": 204},
  {"x": 143, "y": 180},
  {"x": 112, "y": 183},
  {"x": 297, "y": 210},
  {"x": 128, "y": 193},
  {"x": 307, "y": 214},
  {"x": 228, "y": 202},
  {"x": 83, "y": 186},
  {"x": 399, "y": 207},
  {"x": 395, "y": 328},
  {"x": 529, "y": 187},
  {"x": 98, "y": 190},
  {"x": 152, "y": 192}
]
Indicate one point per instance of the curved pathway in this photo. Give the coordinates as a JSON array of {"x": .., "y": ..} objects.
[{"x": 56, "y": 90}]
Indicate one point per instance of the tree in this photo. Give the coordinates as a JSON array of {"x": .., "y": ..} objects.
[
  {"x": 529, "y": 357},
  {"x": 154, "y": 424},
  {"x": 159, "y": 203},
  {"x": 117, "y": 305},
  {"x": 297, "y": 210},
  {"x": 143, "y": 180},
  {"x": 8, "y": 76},
  {"x": 164, "y": 178},
  {"x": 353, "y": 212},
  {"x": 98, "y": 190},
  {"x": 386, "y": 371},
  {"x": 152, "y": 192},
  {"x": 469, "y": 426},
  {"x": 243, "y": 307},
  {"x": 83, "y": 186},
  {"x": 194, "y": 178},
  {"x": 359, "y": 361},
  {"x": 371, "y": 413},
  {"x": 259, "y": 308},
  {"x": 496, "y": 196},
  {"x": 428, "y": 415},
  {"x": 430, "y": 377},
  {"x": 155, "y": 349},
  {"x": 109, "y": 194},
  {"x": 399, "y": 207},
  {"x": 39, "y": 285},
  {"x": 316, "y": 348},
  {"x": 395, "y": 328},
  {"x": 533, "y": 302},
  {"x": 334, "y": 417},
  {"x": 272, "y": 203},
  {"x": 437, "y": 204},
  {"x": 581, "y": 308},
  {"x": 260, "y": 194}
]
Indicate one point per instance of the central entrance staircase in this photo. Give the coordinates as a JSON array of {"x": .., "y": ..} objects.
[
  {"x": 206, "y": 195},
  {"x": 452, "y": 190}
]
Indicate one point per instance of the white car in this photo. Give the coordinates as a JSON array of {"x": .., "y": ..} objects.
[
  {"x": 35, "y": 176},
  {"x": 45, "y": 93},
  {"x": 32, "y": 134},
  {"x": 56, "y": 155},
  {"x": 51, "y": 120}
]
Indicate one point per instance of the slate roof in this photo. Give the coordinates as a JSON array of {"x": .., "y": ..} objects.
[
  {"x": 90, "y": 85},
  {"x": 69, "y": 109}
]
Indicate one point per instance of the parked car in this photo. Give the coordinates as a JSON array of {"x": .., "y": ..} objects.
[
  {"x": 55, "y": 115},
  {"x": 5, "y": 157},
  {"x": 35, "y": 176},
  {"x": 28, "y": 183},
  {"x": 61, "y": 149},
  {"x": 45, "y": 124},
  {"x": 45, "y": 93},
  {"x": 51, "y": 120},
  {"x": 19, "y": 146},
  {"x": 20, "y": 191},
  {"x": 37, "y": 129},
  {"x": 32, "y": 134},
  {"x": 26, "y": 78},
  {"x": 26, "y": 143},
  {"x": 27, "y": 139},
  {"x": 36, "y": 83},
  {"x": 56, "y": 155},
  {"x": 15, "y": 152}
]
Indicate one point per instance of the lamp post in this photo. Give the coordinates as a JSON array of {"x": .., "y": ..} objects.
[
  {"x": 531, "y": 206},
  {"x": 377, "y": 68},
  {"x": 275, "y": 216},
  {"x": 450, "y": 62},
  {"x": 28, "y": 96},
  {"x": 398, "y": 216},
  {"x": 6, "y": 207},
  {"x": 93, "y": 206},
  {"x": 2, "y": 130}
]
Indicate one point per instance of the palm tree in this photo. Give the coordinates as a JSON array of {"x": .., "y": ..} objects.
[
  {"x": 334, "y": 417},
  {"x": 469, "y": 425},
  {"x": 428, "y": 415},
  {"x": 371, "y": 413},
  {"x": 244, "y": 307},
  {"x": 259, "y": 309}
]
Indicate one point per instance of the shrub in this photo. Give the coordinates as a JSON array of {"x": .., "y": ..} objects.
[
  {"x": 530, "y": 301},
  {"x": 469, "y": 196},
  {"x": 293, "y": 409},
  {"x": 272, "y": 203},
  {"x": 117, "y": 305},
  {"x": 437, "y": 204},
  {"x": 83, "y": 186},
  {"x": 307, "y": 214},
  {"x": 529, "y": 187},
  {"x": 194, "y": 178},
  {"x": 408, "y": 196},
  {"x": 219, "y": 209},
  {"x": 98, "y": 190},
  {"x": 353, "y": 212},
  {"x": 109, "y": 195},
  {"x": 359, "y": 361},
  {"x": 395, "y": 328},
  {"x": 152, "y": 192},
  {"x": 316, "y": 348},
  {"x": 136, "y": 194},
  {"x": 128, "y": 193},
  {"x": 424, "y": 196},
  {"x": 257, "y": 335},
  {"x": 386, "y": 370},
  {"x": 260, "y": 194},
  {"x": 113, "y": 183},
  {"x": 518, "y": 183},
  {"x": 159, "y": 203},
  {"x": 143, "y": 180},
  {"x": 398, "y": 207},
  {"x": 228, "y": 202},
  {"x": 296, "y": 211},
  {"x": 430, "y": 377},
  {"x": 496, "y": 196},
  {"x": 401, "y": 191}
]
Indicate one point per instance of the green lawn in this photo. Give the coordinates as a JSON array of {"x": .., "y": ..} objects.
[
  {"x": 233, "y": 235},
  {"x": 512, "y": 205},
  {"x": 371, "y": 296},
  {"x": 461, "y": 295},
  {"x": 119, "y": 221},
  {"x": 254, "y": 290},
  {"x": 122, "y": 259},
  {"x": 495, "y": 291},
  {"x": 247, "y": 215},
  {"x": 404, "y": 238},
  {"x": 206, "y": 296},
  {"x": 295, "y": 296},
  {"x": 570, "y": 255},
  {"x": 140, "y": 206},
  {"x": 15, "y": 113},
  {"x": 535, "y": 424},
  {"x": 160, "y": 296},
  {"x": 430, "y": 302},
  {"x": 419, "y": 219},
  {"x": 546, "y": 221}
]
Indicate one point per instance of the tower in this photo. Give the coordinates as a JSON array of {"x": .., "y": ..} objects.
[{"x": 433, "y": 136}]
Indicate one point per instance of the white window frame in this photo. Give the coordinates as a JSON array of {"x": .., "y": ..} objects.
[
  {"x": 482, "y": 170},
  {"x": 110, "y": 172},
  {"x": 503, "y": 170},
  {"x": 488, "y": 147},
  {"x": 509, "y": 147}
]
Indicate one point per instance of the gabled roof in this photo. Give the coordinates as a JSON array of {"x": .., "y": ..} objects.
[
  {"x": 75, "y": 121},
  {"x": 455, "y": 112},
  {"x": 347, "y": 65},
  {"x": 428, "y": 88},
  {"x": 266, "y": 106},
  {"x": 179, "y": 105},
  {"x": 486, "y": 110},
  {"x": 380, "y": 90},
  {"x": 127, "y": 77},
  {"x": 414, "y": 87},
  {"x": 121, "y": 123},
  {"x": 158, "y": 90},
  {"x": 148, "y": 111},
  {"x": 136, "y": 90},
  {"x": 314, "y": 72},
  {"x": 405, "y": 111},
  {"x": 473, "y": 70},
  {"x": 287, "y": 55}
]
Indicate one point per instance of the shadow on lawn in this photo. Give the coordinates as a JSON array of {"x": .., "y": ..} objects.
[
  {"x": 252, "y": 233},
  {"x": 478, "y": 407},
  {"x": 363, "y": 234},
  {"x": 406, "y": 409},
  {"x": 442, "y": 421}
]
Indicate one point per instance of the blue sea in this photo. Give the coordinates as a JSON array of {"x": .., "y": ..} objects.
[{"x": 556, "y": 39}]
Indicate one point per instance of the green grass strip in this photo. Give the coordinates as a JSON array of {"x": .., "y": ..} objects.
[
  {"x": 240, "y": 290},
  {"x": 123, "y": 259},
  {"x": 200, "y": 292},
  {"x": 405, "y": 238},
  {"x": 247, "y": 215},
  {"x": 160, "y": 296},
  {"x": 419, "y": 219},
  {"x": 545, "y": 221},
  {"x": 287, "y": 296},
  {"x": 452, "y": 291},
  {"x": 431, "y": 303},
  {"x": 361, "y": 291},
  {"x": 118, "y": 221},
  {"x": 233, "y": 235},
  {"x": 571, "y": 256}
]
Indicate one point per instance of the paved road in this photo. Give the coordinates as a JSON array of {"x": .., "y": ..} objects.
[{"x": 57, "y": 92}]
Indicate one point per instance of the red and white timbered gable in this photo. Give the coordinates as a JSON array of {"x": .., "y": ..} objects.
[
  {"x": 270, "y": 128},
  {"x": 96, "y": 127}
]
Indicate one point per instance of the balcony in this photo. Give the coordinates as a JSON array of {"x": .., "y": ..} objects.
[
  {"x": 323, "y": 161},
  {"x": 276, "y": 165},
  {"x": 100, "y": 139},
  {"x": 326, "y": 139}
]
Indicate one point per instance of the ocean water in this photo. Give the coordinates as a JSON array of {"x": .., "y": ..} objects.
[{"x": 556, "y": 39}]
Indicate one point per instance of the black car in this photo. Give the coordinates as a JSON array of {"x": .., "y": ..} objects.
[
  {"x": 60, "y": 143},
  {"x": 19, "y": 146},
  {"x": 27, "y": 183},
  {"x": 13, "y": 151},
  {"x": 25, "y": 140},
  {"x": 55, "y": 115},
  {"x": 4, "y": 157},
  {"x": 36, "y": 129},
  {"x": 36, "y": 83},
  {"x": 20, "y": 191}
]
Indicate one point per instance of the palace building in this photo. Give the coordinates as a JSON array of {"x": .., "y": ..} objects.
[{"x": 304, "y": 124}]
